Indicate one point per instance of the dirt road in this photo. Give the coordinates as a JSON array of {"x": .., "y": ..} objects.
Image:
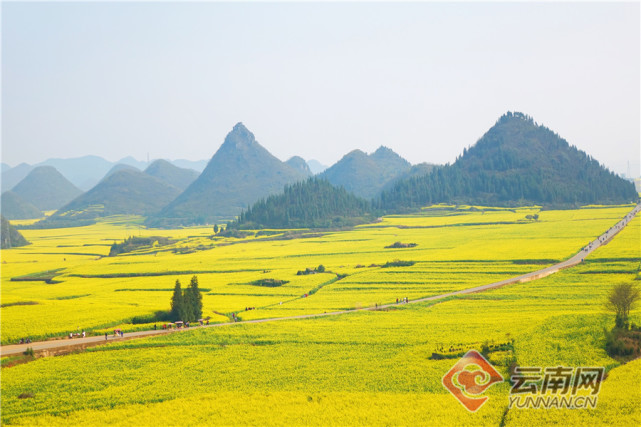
[{"x": 604, "y": 239}]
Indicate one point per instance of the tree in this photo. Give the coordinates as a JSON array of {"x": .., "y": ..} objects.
[
  {"x": 215, "y": 228},
  {"x": 187, "y": 305},
  {"x": 621, "y": 299},
  {"x": 194, "y": 300},
  {"x": 177, "y": 303}
]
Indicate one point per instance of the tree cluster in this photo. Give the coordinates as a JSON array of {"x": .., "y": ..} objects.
[
  {"x": 319, "y": 269},
  {"x": 187, "y": 305},
  {"x": 137, "y": 242}
]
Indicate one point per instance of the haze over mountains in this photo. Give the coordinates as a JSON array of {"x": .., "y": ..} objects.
[
  {"x": 516, "y": 162},
  {"x": 84, "y": 172}
]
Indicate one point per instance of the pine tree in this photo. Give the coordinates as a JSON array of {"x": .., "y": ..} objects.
[
  {"x": 195, "y": 299},
  {"x": 177, "y": 303}
]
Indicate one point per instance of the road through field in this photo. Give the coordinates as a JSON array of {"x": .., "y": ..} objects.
[{"x": 60, "y": 344}]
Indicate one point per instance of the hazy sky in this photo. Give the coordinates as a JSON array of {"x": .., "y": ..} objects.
[{"x": 315, "y": 79}]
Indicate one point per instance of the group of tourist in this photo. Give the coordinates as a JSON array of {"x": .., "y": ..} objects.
[{"x": 77, "y": 335}]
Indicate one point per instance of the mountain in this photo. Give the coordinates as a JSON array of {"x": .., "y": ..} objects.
[
  {"x": 197, "y": 165},
  {"x": 313, "y": 203},
  {"x": 129, "y": 160},
  {"x": 11, "y": 238},
  {"x": 300, "y": 165},
  {"x": 364, "y": 175},
  {"x": 15, "y": 207},
  {"x": 170, "y": 174},
  {"x": 124, "y": 191},
  {"x": 14, "y": 175},
  {"x": 241, "y": 172},
  {"x": 516, "y": 162},
  {"x": 83, "y": 172},
  {"x": 5, "y": 167},
  {"x": 46, "y": 188},
  {"x": 315, "y": 166},
  {"x": 119, "y": 167}
]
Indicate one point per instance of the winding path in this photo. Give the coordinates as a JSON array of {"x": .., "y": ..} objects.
[{"x": 604, "y": 239}]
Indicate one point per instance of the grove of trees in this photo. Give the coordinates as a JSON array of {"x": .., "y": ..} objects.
[{"x": 187, "y": 304}]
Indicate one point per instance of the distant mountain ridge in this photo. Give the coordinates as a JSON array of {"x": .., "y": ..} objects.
[
  {"x": 315, "y": 166},
  {"x": 171, "y": 174},
  {"x": 124, "y": 191},
  {"x": 366, "y": 175},
  {"x": 85, "y": 172},
  {"x": 11, "y": 177},
  {"x": 241, "y": 172},
  {"x": 516, "y": 162},
  {"x": 46, "y": 188},
  {"x": 299, "y": 164}
]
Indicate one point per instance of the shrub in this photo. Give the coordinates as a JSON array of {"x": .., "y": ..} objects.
[
  {"x": 270, "y": 283},
  {"x": 398, "y": 263},
  {"x": 158, "y": 316},
  {"x": 399, "y": 245}
]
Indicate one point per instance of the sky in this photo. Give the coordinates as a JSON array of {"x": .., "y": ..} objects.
[{"x": 170, "y": 80}]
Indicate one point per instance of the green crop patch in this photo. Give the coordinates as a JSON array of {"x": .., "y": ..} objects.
[
  {"x": 152, "y": 290},
  {"x": 42, "y": 276},
  {"x": 13, "y": 304}
]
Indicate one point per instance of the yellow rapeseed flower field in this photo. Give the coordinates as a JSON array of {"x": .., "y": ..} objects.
[{"x": 360, "y": 368}]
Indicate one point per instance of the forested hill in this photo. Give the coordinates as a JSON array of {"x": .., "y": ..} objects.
[
  {"x": 313, "y": 203},
  {"x": 516, "y": 162}
]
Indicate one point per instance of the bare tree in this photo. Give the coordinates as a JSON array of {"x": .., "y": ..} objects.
[{"x": 621, "y": 299}]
